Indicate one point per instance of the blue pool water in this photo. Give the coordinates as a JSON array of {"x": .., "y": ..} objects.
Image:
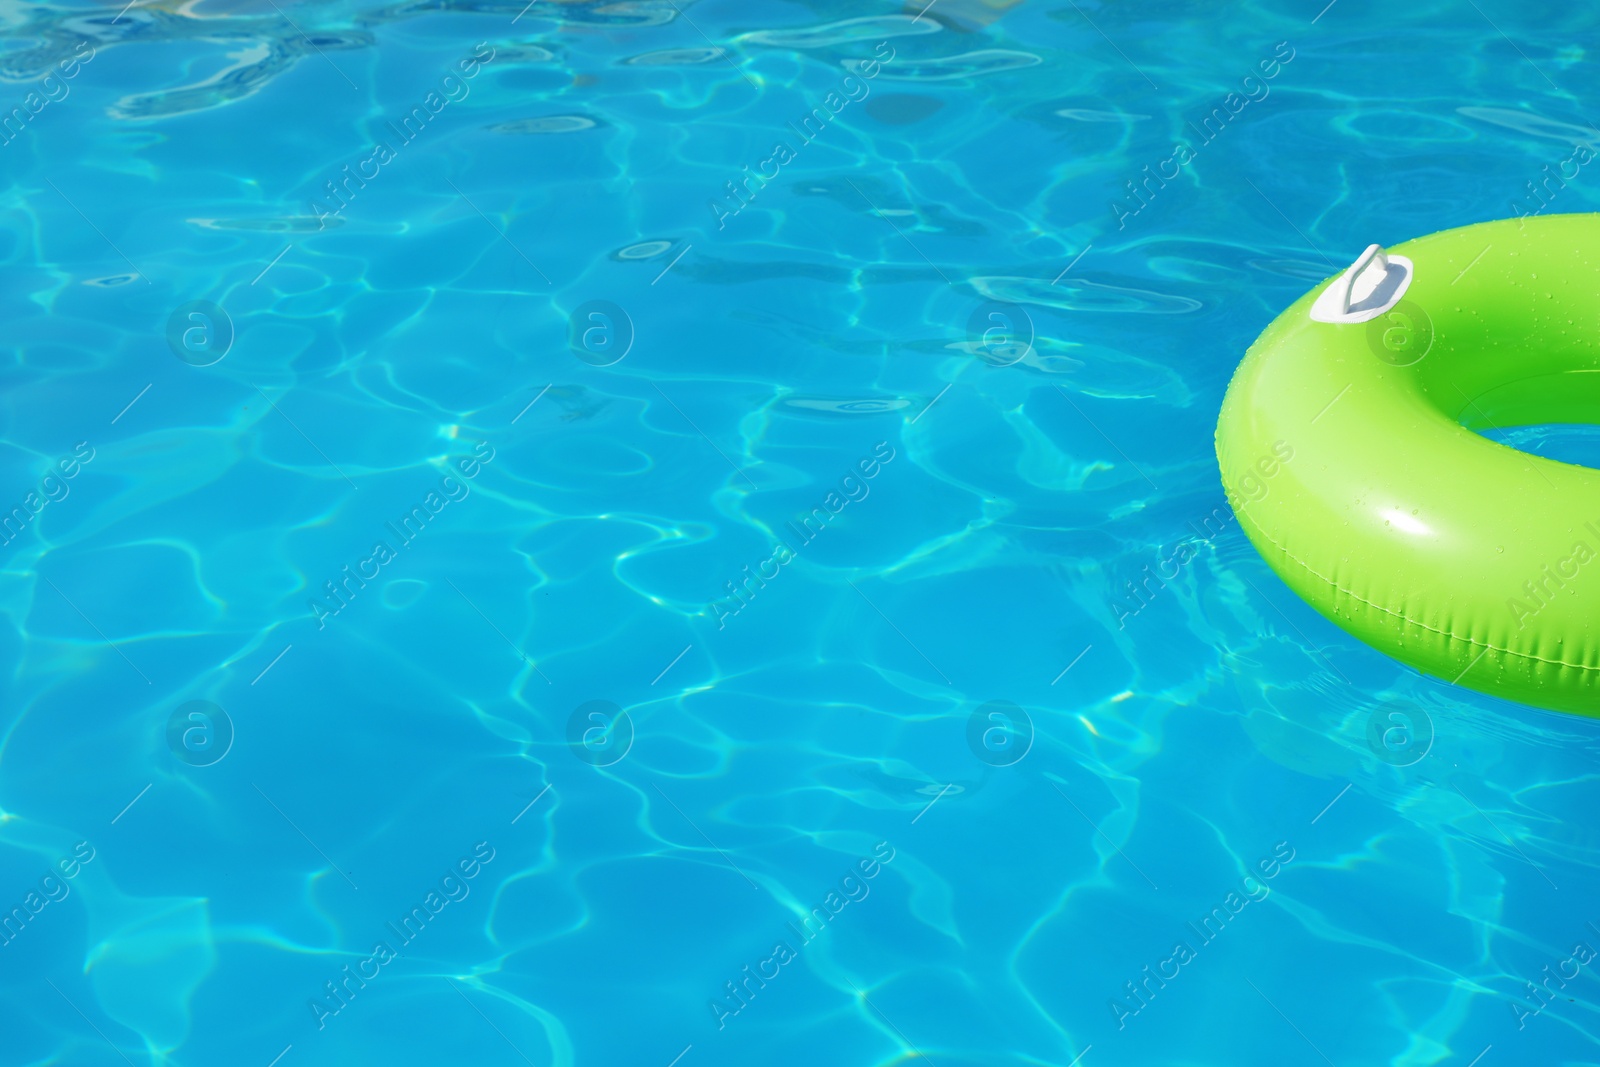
[{"x": 497, "y": 583}]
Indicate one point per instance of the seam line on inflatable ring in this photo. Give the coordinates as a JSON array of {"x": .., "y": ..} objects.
[{"x": 1413, "y": 622}]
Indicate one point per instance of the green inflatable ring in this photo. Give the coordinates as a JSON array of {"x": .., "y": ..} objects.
[{"x": 1348, "y": 448}]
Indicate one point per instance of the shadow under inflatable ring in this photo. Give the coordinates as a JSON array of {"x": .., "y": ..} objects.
[{"x": 1349, "y": 449}]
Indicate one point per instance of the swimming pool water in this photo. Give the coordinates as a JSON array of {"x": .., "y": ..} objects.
[{"x": 667, "y": 533}]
